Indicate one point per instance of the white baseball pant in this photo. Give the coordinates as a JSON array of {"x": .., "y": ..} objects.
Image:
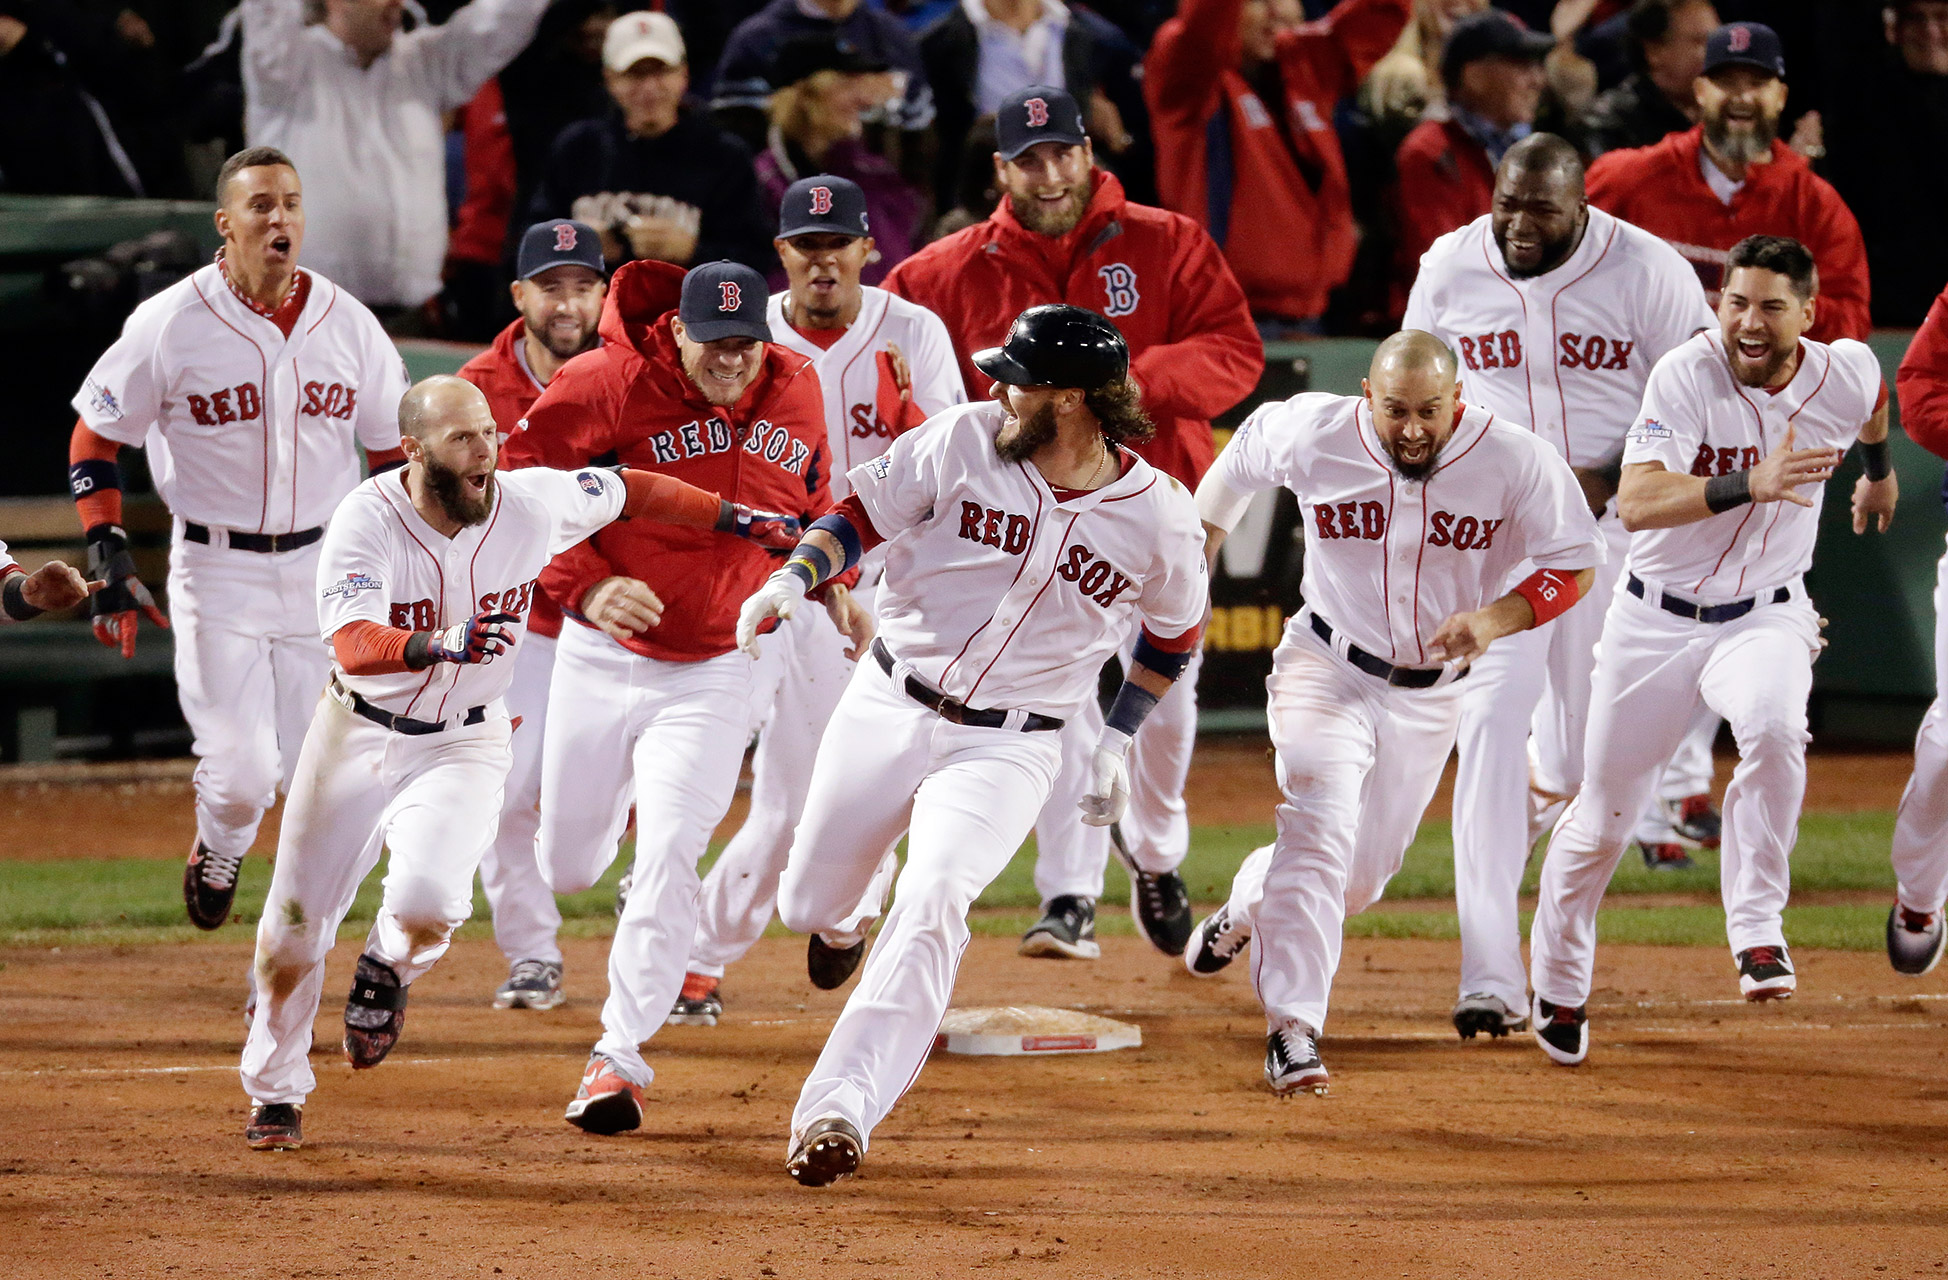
[
  {"x": 965, "y": 797},
  {"x": 676, "y": 730},
  {"x": 1652, "y": 670},
  {"x": 526, "y": 917},
  {"x": 1358, "y": 761},
  {"x": 434, "y": 801},
  {"x": 249, "y": 666},
  {"x": 1920, "y": 851}
]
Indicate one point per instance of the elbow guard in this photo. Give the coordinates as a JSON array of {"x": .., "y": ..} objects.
[
  {"x": 1549, "y": 592},
  {"x": 1160, "y": 660}
]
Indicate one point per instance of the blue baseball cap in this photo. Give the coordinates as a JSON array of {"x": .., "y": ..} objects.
[
  {"x": 724, "y": 300},
  {"x": 823, "y": 203},
  {"x": 558, "y": 242},
  {"x": 1039, "y": 113},
  {"x": 1745, "y": 44}
]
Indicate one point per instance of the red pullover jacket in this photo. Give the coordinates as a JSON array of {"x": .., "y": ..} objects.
[
  {"x": 1282, "y": 210},
  {"x": 630, "y": 402},
  {"x": 1923, "y": 383},
  {"x": 1155, "y": 274},
  {"x": 1662, "y": 190}
]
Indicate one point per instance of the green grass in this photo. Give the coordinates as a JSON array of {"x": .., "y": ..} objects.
[{"x": 88, "y": 902}]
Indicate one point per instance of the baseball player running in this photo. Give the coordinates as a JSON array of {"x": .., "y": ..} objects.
[
  {"x": 52, "y": 587},
  {"x": 1418, "y": 511},
  {"x": 1558, "y": 312},
  {"x": 1019, "y": 537},
  {"x": 1720, "y": 490},
  {"x": 1064, "y": 232},
  {"x": 1915, "y": 932},
  {"x": 252, "y": 383},
  {"x": 558, "y": 289},
  {"x": 686, "y": 383},
  {"x": 425, "y": 578},
  {"x": 885, "y": 365}
]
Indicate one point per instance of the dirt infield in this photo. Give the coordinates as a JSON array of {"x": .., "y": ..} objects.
[{"x": 1703, "y": 1138}]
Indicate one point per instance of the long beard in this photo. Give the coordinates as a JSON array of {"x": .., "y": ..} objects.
[
  {"x": 461, "y": 504},
  {"x": 1028, "y": 437},
  {"x": 1742, "y": 148},
  {"x": 1052, "y": 222}
]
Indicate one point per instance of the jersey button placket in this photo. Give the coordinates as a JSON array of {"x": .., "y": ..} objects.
[{"x": 1404, "y": 523}]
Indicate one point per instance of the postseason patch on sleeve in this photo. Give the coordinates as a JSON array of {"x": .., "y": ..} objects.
[
  {"x": 882, "y": 466},
  {"x": 590, "y": 482},
  {"x": 351, "y": 584},
  {"x": 1649, "y": 429},
  {"x": 103, "y": 401}
]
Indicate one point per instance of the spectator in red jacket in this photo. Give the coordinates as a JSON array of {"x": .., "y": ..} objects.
[
  {"x": 1492, "y": 69},
  {"x": 1064, "y": 232},
  {"x": 1270, "y": 182},
  {"x": 1730, "y": 176}
]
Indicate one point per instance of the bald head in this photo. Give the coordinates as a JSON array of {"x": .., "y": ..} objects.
[
  {"x": 451, "y": 443},
  {"x": 1412, "y": 390},
  {"x": 1546, "y": 156},
  {"x": 440, "y": 401},
  {"x": 1540, "y": 211},
  {"x": 1412, "y": 353}
]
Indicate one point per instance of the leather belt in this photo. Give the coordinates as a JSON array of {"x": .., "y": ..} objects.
[
  {"x": 1380, "y": 668},
  {"x": 1704, "y": 612},
  {"x": 397, "y": 723},
  {"x": 264, "y": 543},
  {"x": 959, "y": 712}
]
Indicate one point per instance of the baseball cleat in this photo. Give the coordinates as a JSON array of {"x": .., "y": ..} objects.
[
  {"x": 831, "y": 1149},
  {"x": 1563, "y": 1031},
  {"x": 375, "y": 1014},
  {"x": 1066, "y": 931},
  {"x": 607, "y": 1102},
  {"x": 1292, "y": 1063},
  {"x": 1215, "y": 943},
  {"x": 1694, "y": 820},
  {"x": 531, "y": 984},
  {"x": 210, "y": 885},
  {"x": 1159, "y": 903},
  {"x": 1914, "y": 939},
  {"x": 828, "y": 966},
  {"x": 1478, "y": 1011},
  {"x": 1665, "y": 857},
  {"x": 275, "y": 1126},
  {"x": 697, "y": 1005},
  {"x": 1765, "y": 973}
]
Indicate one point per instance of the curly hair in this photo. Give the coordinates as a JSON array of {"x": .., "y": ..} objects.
[{"x": 1118, "y": 407}]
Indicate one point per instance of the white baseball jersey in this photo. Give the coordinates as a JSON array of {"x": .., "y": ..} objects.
[
  {"x": 850, "y": 374},
  {"x": 383, "y": 563},
  {"x": 247, "y": 429},
  {"x": 1699, "y": 420},
  {"x": 1566, "y": 352},
  {"x": 1001, "y": 595},
  {"x": 1388, "y": 559}
]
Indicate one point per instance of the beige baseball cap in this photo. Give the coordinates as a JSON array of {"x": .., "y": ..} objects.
[{"x": 644, "y": 34}]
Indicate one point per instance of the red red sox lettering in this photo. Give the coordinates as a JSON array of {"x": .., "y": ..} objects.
[
  {"x": 866, "y": 423},
  {"x": 1369, "y": 520},
  {"x": 1493, "y": 350},
  {"x": 232, "y": 404},
  {"x": 1504, "y": 351},
  {"x": 713, "y": 435},
  {"x": 1722, "y": 462},
  {"x": 419, "y": 615},
  {"x": 1095, "y": 578}
]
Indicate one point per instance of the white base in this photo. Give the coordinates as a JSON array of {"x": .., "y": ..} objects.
[{"x": 1032, "y": 1029}]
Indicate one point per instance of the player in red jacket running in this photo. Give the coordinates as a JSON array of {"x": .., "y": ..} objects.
[
  {"x": 1063, "y": 232},
  {"x": 1270, "y": 182},
  {"x": 1730, "y": 177}
]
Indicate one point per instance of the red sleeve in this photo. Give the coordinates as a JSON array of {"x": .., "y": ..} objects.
[
  {"x": 103, "y": 506},
  {"x": 1922, "y": 383},
  {"x": 569, "y": 426},
  {"x": 377, "y": 460},
  {"x": 1215, "y": 356},
  {"x": 855, "y": 513},
  {"x": 807, "y": 405},
  {"x": 480, "y": 227},
  {"x": 1188, "y": 53},
  {"x": 1175, "y": 644},
  {"x": 367, "y": 648},
  {"x": 669, "y": 500},
  {"x": 1834, "y": 238},
  {"x": 1342, "y": 47}
]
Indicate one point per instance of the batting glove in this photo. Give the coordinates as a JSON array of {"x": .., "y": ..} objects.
[
  {"x": 777, "y": 598},
  {"x": 1109, "y": 780},
  {"x": 480, "y": 638},
  {"x": 119, "y": 605},
  {"x": 768, "y": 529}
]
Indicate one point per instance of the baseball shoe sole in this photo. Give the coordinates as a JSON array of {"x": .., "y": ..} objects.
[
  {"x": 531, "y": 984},
  {"x": 1563, "y": 1031},
  {"x": 209, "y": 886},
  {"x": 607, "y": 1103},
  {"x": 828, "y": 966},
  {"x": 275, "y": 1126},
  {"x": 1159, "y": 903},
  {"x": 1766, "y": 973},
  {"x": 1214, "y": 944},
  {"x": 1480, "y": 1012},
  {"x": 831, "y": 1149},
  {"x": 1914, "y": 940}
]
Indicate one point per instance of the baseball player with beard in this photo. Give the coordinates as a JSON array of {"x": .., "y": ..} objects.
[
  {"x": 1020, "y": 537},
  {"x": 558, "y": 289},
  {"x": 52, "y": 587},
  {"x": 1721, "y": 492},
  {"x": 426, "y": 576},
  {"x": 252, "y": 384},
  {"x": 885, "y": 365},
  {"x": 1418, "y": 511}
]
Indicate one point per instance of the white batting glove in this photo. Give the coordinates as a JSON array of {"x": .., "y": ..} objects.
[
  {"x": 1109, "y": 780},
  {"x": 777, "y": 598}
]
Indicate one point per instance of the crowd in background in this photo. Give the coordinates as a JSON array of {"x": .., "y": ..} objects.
[{"x": 1323, "y": 145}]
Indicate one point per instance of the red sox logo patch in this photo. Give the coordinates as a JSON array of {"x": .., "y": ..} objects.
[
  {"x": 1740, "y": 41},
  {"x": 730, "y": 297},
  {"x": 1119, "y": 283},
  {"x": 821, "y": 199},
  {"x": 1037, "y": 112},
  {"x": 564, "y": 237}
]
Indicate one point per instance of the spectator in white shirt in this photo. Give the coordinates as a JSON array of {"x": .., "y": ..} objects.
[{"x": 357, "y": 105}]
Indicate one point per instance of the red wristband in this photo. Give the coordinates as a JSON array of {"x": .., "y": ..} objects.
[{"x": 1549, "y": 592}]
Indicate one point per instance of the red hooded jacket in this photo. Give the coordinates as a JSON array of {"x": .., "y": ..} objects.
[
  {"x": 630, "y": 402},
  {"x": 1923, "y": 382},
  {"x": 1662, "y": 189},
  {"x": 1157, "y": 275}
]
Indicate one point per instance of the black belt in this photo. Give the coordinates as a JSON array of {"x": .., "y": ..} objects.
[
  {"x": 397, "y": 723},
  {"x": 260, "y": 542},
  {"x": 1380, "y": 668},
  {"x": 959, "y": 712},
  {"x": 1705, "y": 612}
]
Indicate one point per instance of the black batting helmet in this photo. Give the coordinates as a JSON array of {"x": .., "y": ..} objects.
[{"x": 1057, "y": 345}]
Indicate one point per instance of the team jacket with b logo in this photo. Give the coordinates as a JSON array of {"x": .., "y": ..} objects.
[
  {"x": 1699, "y": 420},
  {"x": 1002, "y": 596},
  {"x": 382, "y": 563},
  {"x": 1387, "y": 559}
]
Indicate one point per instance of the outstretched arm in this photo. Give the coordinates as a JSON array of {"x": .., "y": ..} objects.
[
  {"x": 1535, "y": 600},
  {"x": 1652, "y": 497}
]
